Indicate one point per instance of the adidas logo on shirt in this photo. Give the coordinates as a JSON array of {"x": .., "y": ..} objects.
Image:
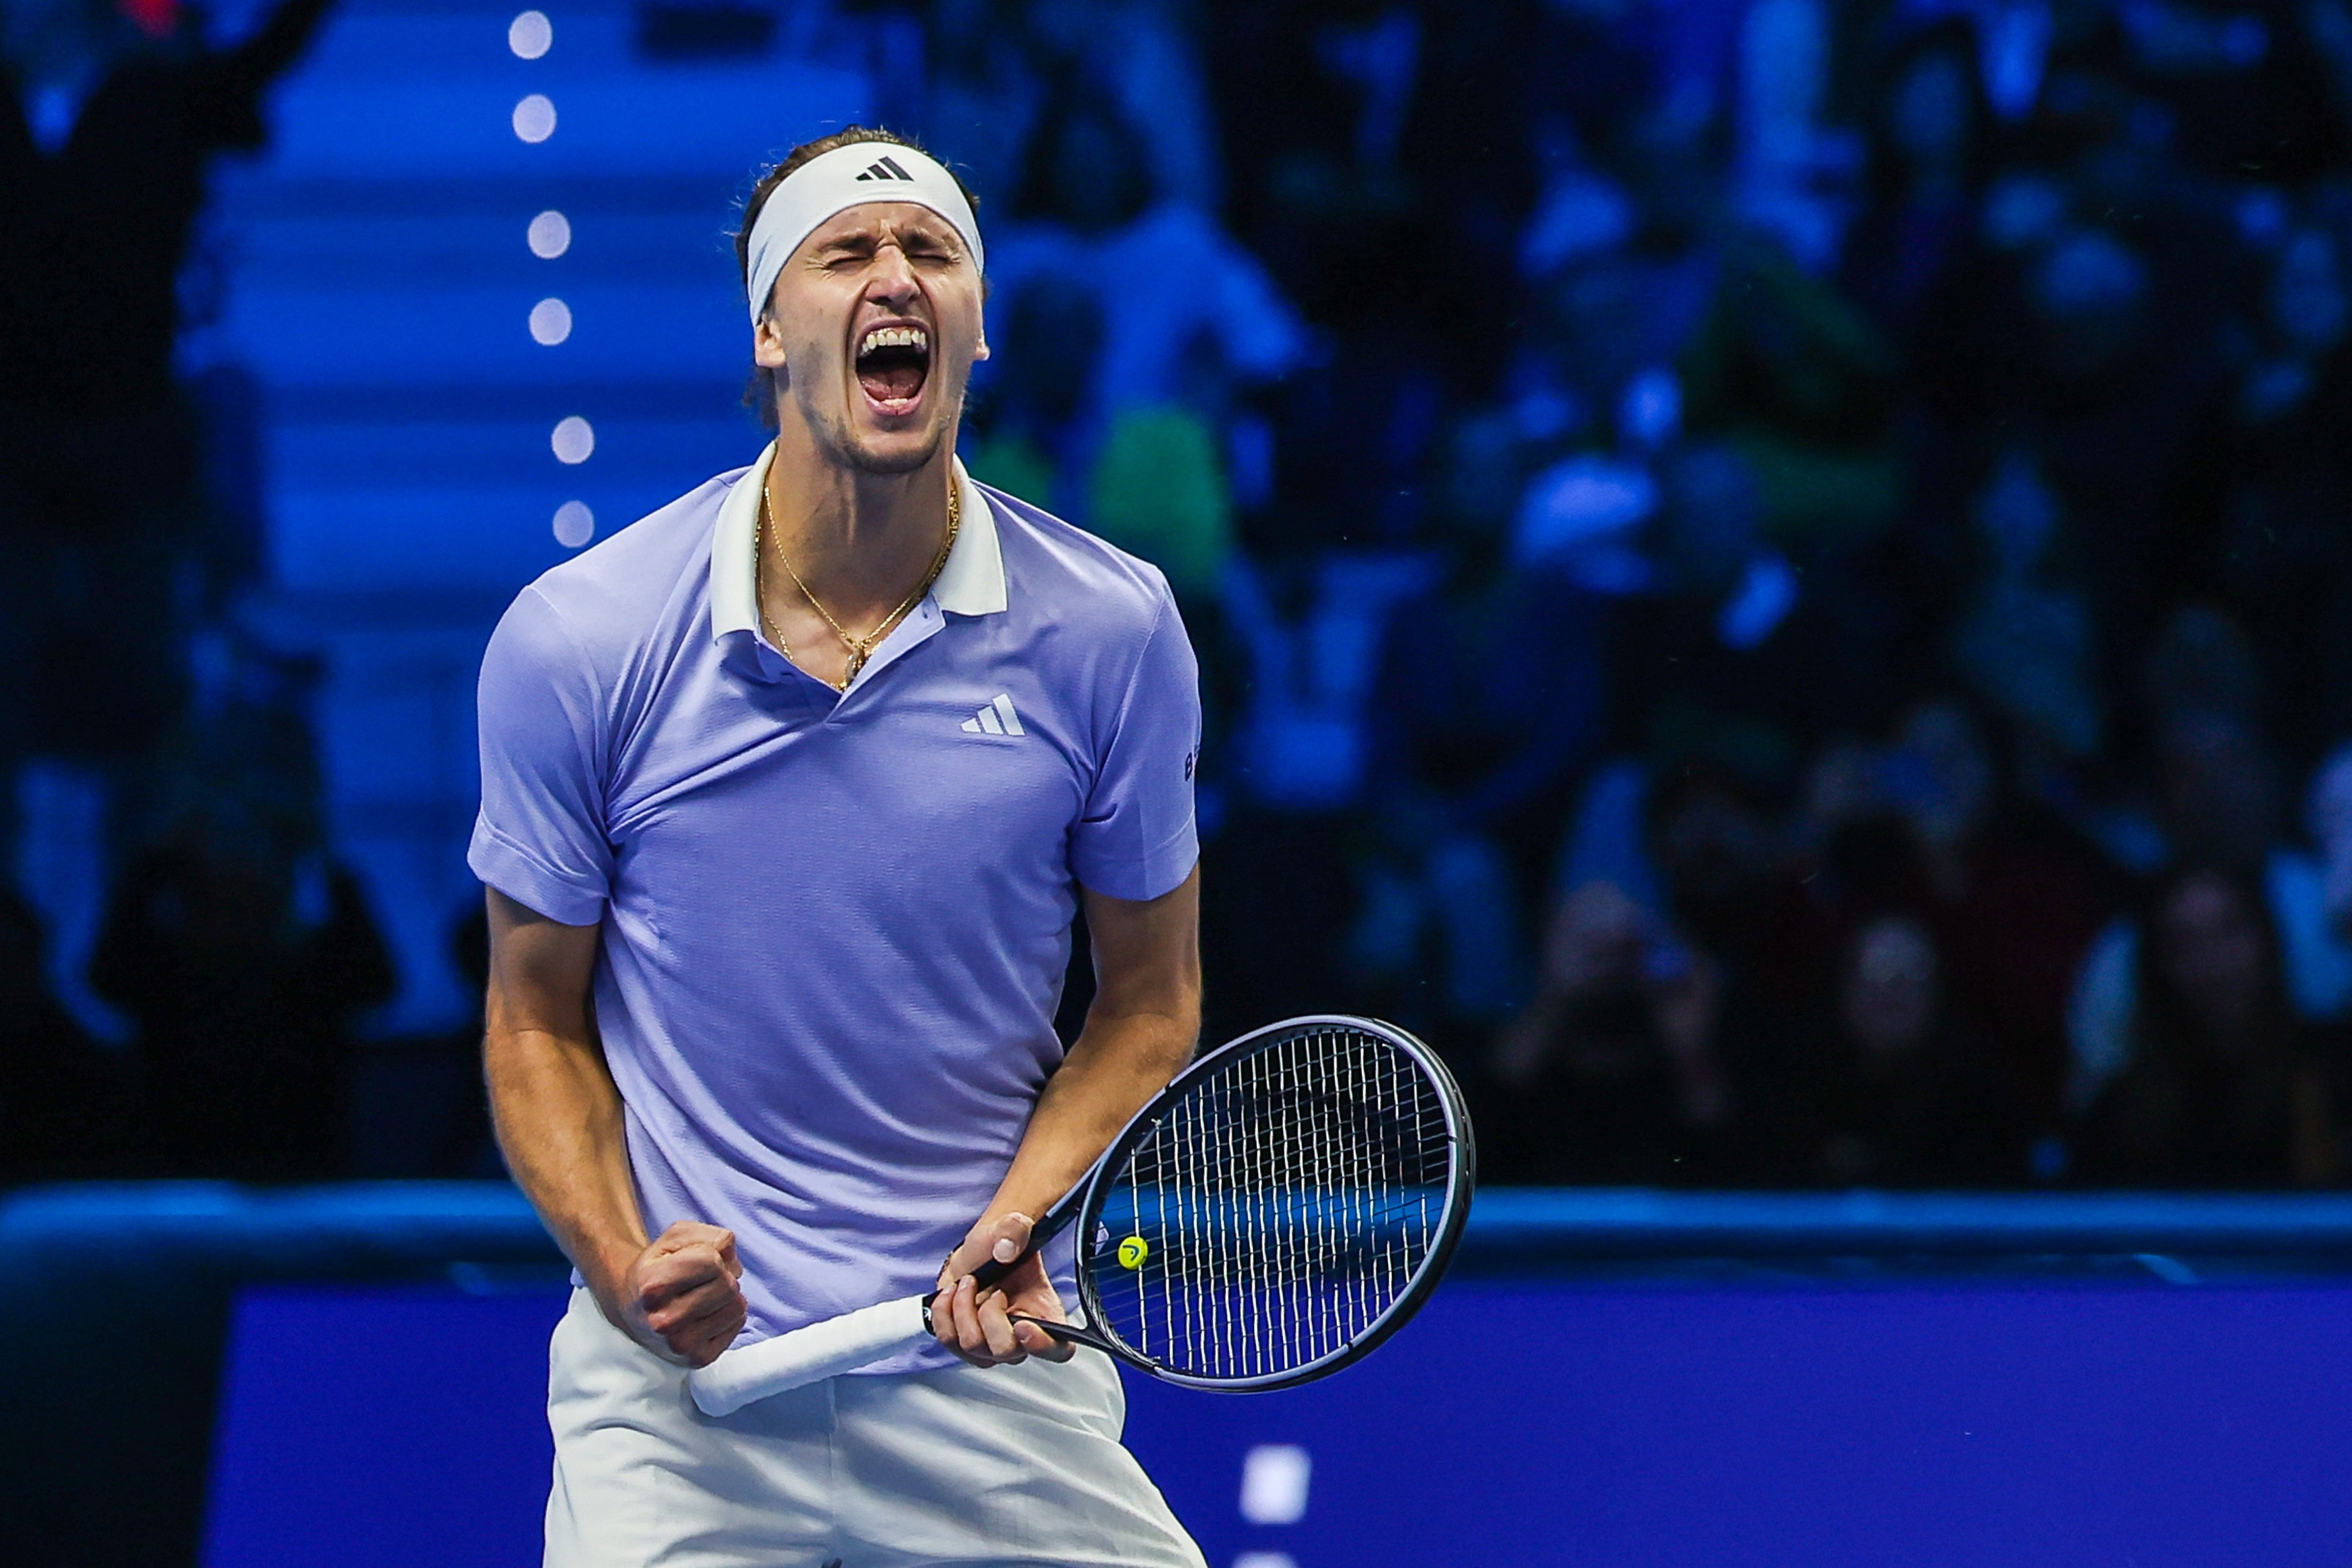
[
  {"x": 996, "y": 718},
  {"x": 885, "y": 170}
]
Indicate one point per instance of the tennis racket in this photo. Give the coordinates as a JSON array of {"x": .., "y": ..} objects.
[{"x": 1286, "y": 1204}]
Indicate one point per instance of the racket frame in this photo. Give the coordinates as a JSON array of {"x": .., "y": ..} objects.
[
  {"x": 1084, "y": 1205},
  {"x": 725, "y": 1395}
]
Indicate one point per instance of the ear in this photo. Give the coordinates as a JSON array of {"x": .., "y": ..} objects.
[
  {"x": 767, "y": 344},
  {"x": 981, "y": 353}
]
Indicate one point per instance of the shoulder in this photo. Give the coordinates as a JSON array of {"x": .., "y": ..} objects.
[
  {"x": 1100, "y": 624},
  {"x": 640, "y": 586},
  {"x": 1069, "y": 576}
]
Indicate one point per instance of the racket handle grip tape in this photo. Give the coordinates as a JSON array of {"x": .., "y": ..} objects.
[
  {"x": 852, "y": 1340},
  {"x": 804, "y": 1356}
]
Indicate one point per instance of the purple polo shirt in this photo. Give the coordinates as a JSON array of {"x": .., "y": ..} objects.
[{"x": 834, "y": 924}]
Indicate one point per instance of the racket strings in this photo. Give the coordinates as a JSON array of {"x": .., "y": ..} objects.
[{"x": 1278, "y": 1210}]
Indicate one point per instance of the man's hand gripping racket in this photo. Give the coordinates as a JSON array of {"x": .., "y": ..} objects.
[
  {"x": 1016, "y": 1319},
  {"x": 1282, "y": 1207}
]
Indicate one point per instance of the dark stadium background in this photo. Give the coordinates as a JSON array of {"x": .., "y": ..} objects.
[{"x": 1771, "y": 576}]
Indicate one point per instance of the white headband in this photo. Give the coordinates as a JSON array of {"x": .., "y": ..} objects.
[{"x": 846, "y": 177}]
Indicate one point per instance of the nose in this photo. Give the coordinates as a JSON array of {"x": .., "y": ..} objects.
[{"x": 891, "y": 280}]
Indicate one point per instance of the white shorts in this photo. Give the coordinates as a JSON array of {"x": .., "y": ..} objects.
[{"x": 980, "y": 1468}]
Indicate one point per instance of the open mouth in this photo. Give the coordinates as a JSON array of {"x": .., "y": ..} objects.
[{"x": 893, "y": 362}]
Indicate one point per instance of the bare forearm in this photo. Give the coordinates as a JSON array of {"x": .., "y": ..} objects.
[
  {"x": 559, "y": 1124},
  {"x": 1118, "y": 1062}
]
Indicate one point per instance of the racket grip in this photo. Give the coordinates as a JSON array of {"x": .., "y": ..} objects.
[{"x": 807, "y": 1356}]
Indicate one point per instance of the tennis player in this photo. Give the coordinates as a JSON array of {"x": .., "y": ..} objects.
[{"x": 789, "y": 793}]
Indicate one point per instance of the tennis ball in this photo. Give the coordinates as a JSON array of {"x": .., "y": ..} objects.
[{"x": 1133, "y": 1251}]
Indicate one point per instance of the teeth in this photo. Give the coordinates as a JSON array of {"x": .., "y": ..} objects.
[{"x": 895, "y": 338}]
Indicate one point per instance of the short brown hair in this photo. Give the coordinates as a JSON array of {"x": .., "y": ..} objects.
[{"x": 759, "y": 392}]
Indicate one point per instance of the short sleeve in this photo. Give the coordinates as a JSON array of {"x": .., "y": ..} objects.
[
  {"x": 540, "y": 837},
  {"x": 1136, "y": 837}
]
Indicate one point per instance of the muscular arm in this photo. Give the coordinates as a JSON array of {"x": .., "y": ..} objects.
[
  {"x": 1140, "y": 1032},
  {"x": 559, "y": 1124}
]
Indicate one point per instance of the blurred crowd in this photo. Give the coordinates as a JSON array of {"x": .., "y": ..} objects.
[
  {"x": 162, "y": 796},
  {"x": 1771, "y": 576}
]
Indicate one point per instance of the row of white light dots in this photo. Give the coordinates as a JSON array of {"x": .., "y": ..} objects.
[{"x": 530, "y": 35}]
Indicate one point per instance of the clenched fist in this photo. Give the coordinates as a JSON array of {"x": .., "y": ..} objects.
[{"x": 683, "y": 1297}]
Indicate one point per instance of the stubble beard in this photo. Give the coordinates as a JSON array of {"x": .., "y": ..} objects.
[
  {"x": 841, "y": 441},
  {"x": 856, "y": 454}
]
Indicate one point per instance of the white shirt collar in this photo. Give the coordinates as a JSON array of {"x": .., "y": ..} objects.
[{"x": 970, "y": 584}]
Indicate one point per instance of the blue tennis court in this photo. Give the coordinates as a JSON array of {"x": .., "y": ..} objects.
[{"x": 1613, "y": 1400}]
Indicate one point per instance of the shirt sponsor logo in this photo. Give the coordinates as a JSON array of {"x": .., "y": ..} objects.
[{"x": 995, "y": 717}]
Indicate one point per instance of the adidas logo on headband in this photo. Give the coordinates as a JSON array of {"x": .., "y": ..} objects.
[{"x": 827, "y": 183}]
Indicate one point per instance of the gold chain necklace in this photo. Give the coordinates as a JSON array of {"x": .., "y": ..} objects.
[{"x": 860, "y": 648}]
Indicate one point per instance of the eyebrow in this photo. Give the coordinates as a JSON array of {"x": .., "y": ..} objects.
[{"x": 938, "y": 233}]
